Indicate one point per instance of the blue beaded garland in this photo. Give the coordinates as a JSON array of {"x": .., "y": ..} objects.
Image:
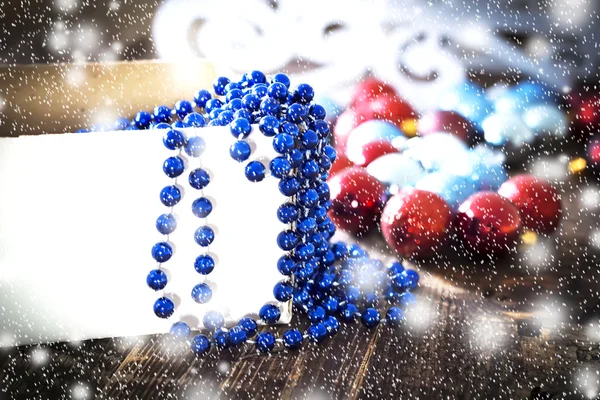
[
  {"x": 196, "y": 120},
  {"x": 316, "y": 314},
  {"x": 304, "y": 93},
  {"x": 310, "y": 140},
  {"x": 142, "y": 119},
  {"x": 283, "y": 291},
  {"x": 213, "y": 320},
  {"x": 202, "y": 207},
  {"x": 170, "y": 195},
  {"x": 173, "y": 167},
  {"x": 200, "y": 345},
  {"x": 317, "y": 333},
  {"x": 166, "y": 224},
  {"x": 162, "y": 114},
  {"x": 292, "y": 339},
  {"x": 332, "y": 324},
  {"x": 268, "y": 125},
  {"x": 204, "y": 264},
  {"x": 289, "y": 186},
  {"x": 280, "y": 167},
  {"x": 249, "y": 325},
  {"x": 255, "y": 171},
  {"x": 265, "y": 342},
  {"x": 237, "y": 335},
  {"x": 281, "y": 78},
  {"x": 221, "y": 338},
  {"x": 348, "y": 312},
  {"x": 204, "y": 236},
  {"x": 194, "y": 146},
  {"x": 240, "y": 127},
  {"x": 202, "y": 97},
  {"x": 219, "y": 85},
  {"x": 173, "y": 139},
  {"x": 180, "y": 330},
  {"x": 240, "y": 151},
  {"x": 199, "y": 179},
  {"x": 287, "y": 213},
  {"x": 285, "y": 265},
  {"x": 394, "y": 316},
  {"x": 183, "y": 108},
  {"x": 161, "y": 125},
  {"x": 370, "y": 317},
  {"x": 162, "y": 252},
  {"x": 156, "y": 279},
  {"x": 164, "y": 307},
  {"x": 269, "y": 313},
  {"x": 278, "y": 91},
  {"x": 201, "y": 293},
  {"x": 287, "y": 240}
]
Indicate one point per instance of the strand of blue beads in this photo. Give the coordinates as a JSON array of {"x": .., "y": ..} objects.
[{"x": 323, "y": 279}]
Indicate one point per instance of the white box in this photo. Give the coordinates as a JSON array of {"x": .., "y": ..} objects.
[{"x": 77, "y": 223}]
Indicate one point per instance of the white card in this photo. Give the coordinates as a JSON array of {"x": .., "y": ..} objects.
[{"x": 77, "y": 224}]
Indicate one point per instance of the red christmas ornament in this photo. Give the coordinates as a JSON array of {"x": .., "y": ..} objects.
[
  {"x": 538, "y": 202},
  {"x": 449, "y": 122},
  {"x": 388, "y": 107},
  {"x": 488, "y": 223},
  {"x": 341, "y": 163},
  {"x": 346, "y": 122},
  {"x": 356, "y": 200},
  {"x": 415, "y": 222},
  {"x": 588, "y": 111},
  {"x": 372, "y": 151},
  {"x": 368, "y": 89},
  {"x": 593, "y": 151}
]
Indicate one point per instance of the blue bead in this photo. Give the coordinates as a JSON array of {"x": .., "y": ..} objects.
[
  {"x": 173, "y": 167},
  {"x": 295, "y": 158},
  {"x": 394, "y": 316},
  {"x": 308, "y": 198},
  {"x": 256, "y": 77},
  {"x": 289, "y": 186},
  {"x": 240, "y": 151},
  {"x": 251, "y": 102},
  {"x": 406, "y": 299},
  {"x": 310, "y": 140},
  {"x": 296, "y": 113},
  {"x": 234, "y": 94},
  {"x": 370, "y": 317},
  {"x": 330, "y": 304},
  {"x": 332, "y": 325},
  {"x": 352, "y": 294},
  {"x": 202, "y": 97},
  {"x": 325, "y": 281},
  {"x": 204, "y": 264},
  {"x": 216, "y": 122},
  {"x": 219, "y": 85},
  {"x": 121, "y": 124},
  {"x": 213, "y": 320},
  {"x": 233, "y": 86},
  {"x": 199, "y": 179},
  {"x": 371, "y": 299},
  {"x": 281, "y": 78},
  {"x": 330, "y": 152},
  {"x": 348, "y": 312},
  {"x": 166, "y": 224},
  {"x": 269, "y": 106},
  {"x": 304, "y": 251},
  {"x": 179, "y": 125},
  {"x": 156, "y": 279},
  {"x": 287, "y": 213},
  {"x": 235, "y": 104},
  {"x": 221, "y": 338},
  {"x": 283, "y": 291},
  {"x": 200, "y": 345},
  {"x": 286, "y": 266},
  {"x": 196, "y": 120},
  {"x": 322, "y": 129},
  {"x": 278, "y": 91},
  {"x": 265, "y": 342},
  {"x": 194, "y": 146},
  {"x": 162, "y": 252},
  {"x": 287, "y": 240},
  {"x": 142, "y": 119},
  {"x": 202, "y": 207},
  {"x": 292, "y": 339},
  {"x": 237, "y": 335},
  {"x": 283, "y": 143},
  {"x": 164, "y": 307},
  {"x": 317, "y": 111},
  {"x": 268, "y": 125},
  {"x": 180, "y": 330},
  {"x": 214, "y": 114},
  {"x": 269, "y": 313},
  {"x": 340, "y": 250},
  {"x": 291, "y": 129},
  {"x": 317, "y": 333},
  {"x": 161, "y": 125},
  {"x": 243, "y": 113},
  {"x": 173, "y": 139},
  {"x": 255, "y": 171},
  {"x": 407, "y": 279},
  {"x": 183, "y": 108},
  {"x": 310, "y": 169},
  {"x": 249, "y": 325},
  {"x": 204, "y": 236},
  {"x": 394, "y": 268},
  {"x": 307, "y": 225},
  {"x": 213, "y": 104},
  {"x": 201, "y": 293},
  {"x": 170, "y": 195},
  {"x": 280, "y": 167},
  {"x": 162, "y": 114},
  {"x": 304, "y": 93},
  {"x": 226, "y": 117},
  {"x": 260, "y": 90},
  {"x": 316, "y": 314},
  {"x": 356, "y": 252}
]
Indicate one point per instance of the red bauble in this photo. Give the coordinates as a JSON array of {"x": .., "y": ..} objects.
[
  {"x": 588, "y": 111},
  {"x": 415, "y": 222},
  {"x": 388, "y": 107},
  {"x": 538, "y": 202},
  {"x": 488, "y": 223},
  {"x": 593, "y": 151},
  {"x": 341, "y": 163},
  {"x": 449, "y": 122},
  {"x": 346, "y": 122},
  {"x": 368, "y": 89},
  {"x": 372, "y": 151},
  {"x": 356, "y": 200}
]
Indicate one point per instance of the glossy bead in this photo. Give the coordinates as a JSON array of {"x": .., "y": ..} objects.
[
  {"x": 280, "y": 167},
  {"x": 196, "y": 120},
  {"x": 268, "y": 125},
  {"x": 219, "y": 85},
  {"x": 291, "y": 129},
  {"x": 202, "y": 97},
  {"x": 240, "y": 151},
  {"x": 265, "y": 342},
  {"x": 269, "y": 313},
  {"x": 194, "y": 146},
  {"x": 349, "y": 312},
  {"x": 295, "y": 157},
  {"x": 289, "y": 186},
  {"x": 278, "y": 91},
  {"x": 255, "y": 77},
  {"x": 173, "y": 167},
  {"x": 202, "y": 207},
  {"x": 296, "y": 113},
  {"x": 156, "y": 279},
  {"x": 316, "y": 314},
  {"x": 234, "y": 94},
  {"x": 357, "y": 200},
  {"x": 304, "y": 93},
  {"x": 180, "y": 330},
  {"x": 269, "y": 106},
  {"x": 160, "y": 125},
  {"x": 306, "y": 225},
  {"x": 213, "y": 320},
  {"x": 310, "y": 140},
  {"x": 285, "y": 265},
  {"x": 255, "y": 171},
  {"x": 281, "y": 78},
  {"x": 317, "y": 111},
  {"x": 251, "y": 102},
  {"x": 330, "y": 304},
  {"x": 183, "y": 108},
  {"x": 164, "y": 307},
  {"x": 162, "y": 252},
  {"x": 394, "y": 316},
  {"x": 213, "y": 104},
  {"x": 240, "y": 127},
  {"x": 170, "y": 195},
  {"x": 283, "y": 143},
  {"x": 200, "y": 345},
  {"x": 488, "y": 223},
  {"x": 370, "y": 317},
  {"x": 537, "y": 200},
  {"x": 283, "y": 291},
  {"x": 201, "y": 293},
  {"x": 287, "y": 240},
  {"x": 221, "y": 338},
  {"x": 162, "y": 114},
  {"x": 406, "y": 280},
  {"x": 287, "y": 213},
  {"x": 394, "y": 268},
  {"x": 204, "y": 236},
  {"x": 166, "y": 224},
  {"x": 332, "y": 325},
  {"x": 310, "y": 169},
  {"x": 415, "y": 222},
  {"x": 237, "y": 336},
  {"x": 199, "y": 179},
  {"x": 292, "y": 339},
  {"x": 308, "y": 198},
  {"x": 204, "y": 264},
  {"x": 142, "y": 119},
  {"x": 317, "y": 333},
  {"x": 249, "y": 325}
]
